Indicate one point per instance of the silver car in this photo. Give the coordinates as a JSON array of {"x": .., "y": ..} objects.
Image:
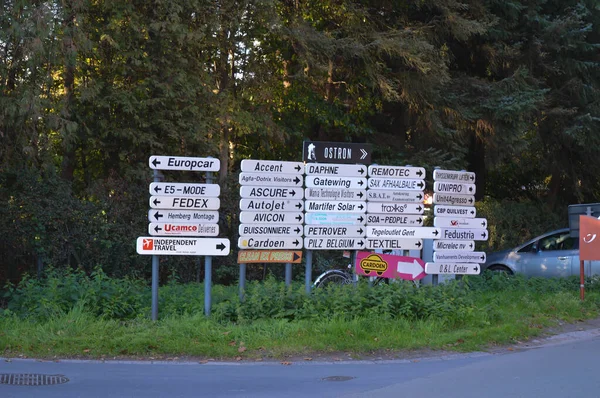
[{"x": 554, "y": 254}]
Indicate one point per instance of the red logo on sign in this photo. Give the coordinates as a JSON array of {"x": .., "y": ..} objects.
[
  {"x": 454, "y": 223},
  {"x": 148, "y": 244}
]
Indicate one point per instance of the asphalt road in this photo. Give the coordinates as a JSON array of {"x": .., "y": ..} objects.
[{"x": 563, "y": 366}]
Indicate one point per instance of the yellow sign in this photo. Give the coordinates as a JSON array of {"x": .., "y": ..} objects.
[
  {"x": 375, "y": 263},
  {"x": 269, "y": 256}
]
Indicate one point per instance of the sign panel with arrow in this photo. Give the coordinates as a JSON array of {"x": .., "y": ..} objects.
[
  {"x": 455, "y": 176},
  {"x": 334, "y": 243},
  {"x": 272, "y": 229},
  {"x": 453, "y": 200},
  {"x": 258, "y": 217},
  {"x": 395, "y": 219},
  {"x": 184, "y": 189},
  {"x": 451, "y": 245},
  {"x": 270, "y": 180},
  {"x": 451, "y": 222},
  {"x": 272, "y": 166},
  {"x": 382, "y": 195},
  {"x": 183, "y": 216},
  {"x": 464, "y": 234},
  {"x": 335, "y": 194},
  {"x": 396, "y": 184},
  {"x": 260, "y": 192},
  {"x": 394, "y": 244},
  {"x": 183, "y": 229},
  {"x": 403, "y": 232},
  {"x": 336, "y": 170},
  {"x": 395, "y": 208},
  {"x": 182, "y": 246},
  {"x": 455, "y": 211},
  {"x": 334, "y": 231},
  {"x": 271, "y": 205},
  {"x": 396, "y": 171},
  {"x": 184, "y": 163},
  {"x": 335, "y": 218},
  {"x": 452, "y": 268},
  {"x": 336, "y": 182},
  {"x": 269, "y": 242},
  {"x": 269, "y": 256},
  {"x": 459, "y": 257},
  {"x": 390, "y": 266},
  {"x": 335, "y": 207},
  {"x": 184, "y": 202},
  {"x": 336, "y": 152},
  {"x": 453, "y": 188}
]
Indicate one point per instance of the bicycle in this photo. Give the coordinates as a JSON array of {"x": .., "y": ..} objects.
[{"x": 341, "y": 277}]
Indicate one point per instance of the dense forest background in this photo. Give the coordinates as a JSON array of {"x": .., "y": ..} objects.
[{"x": 89, "y": 89}]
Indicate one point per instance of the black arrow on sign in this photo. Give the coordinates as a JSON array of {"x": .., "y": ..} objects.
[
  {"x": 156, "y": 189},
  {"x": 296, "y": 180},
  {"x": 483, "y": 224},
  {"x": 360, "y": 207},
  {"x": 361, "y": 243},
  {"x": 360, "y": 231},
  {"x": 419, "y": 196},
  {"x": 361, "y": 171},
  {"x": 298, "y": 168},
  {"x": 360, "y": 183},
  {"x": 481, "y": 258},
  {"x": 360, "y": 219},
  {"x": 420, "y": 185},
  {"x": 470, "y": 200},
  {"x": 483, "y": 235},
  {"x": 419, "y": 173},
  {"x": 472, "y": 212},
  {"x": 419, "y": 208},
  {"x": 155, "y": 162},
  {"x": 436, "y": 233},
  {"x": 296, "y": 242},
  {"x": 157, "y": 229},
  {"x": 299, "y": 205},
  {"x": 470, "y": 245},
  {"x": 360, "y": 195},
  {"x": 419, "y": 220},
  {"x": 292, "y": 192},
  {"x": 157, "y": 215},
  {"x": 221, "y": 246},
  {"x": 470, "y": 189},
  {"x": 156, "y": 202},
  {"x": 297, "y": 230},
  {"x": 299, "y": 217},
  {"x": 472, "y": 178},
  {"x": 418, "y": 244},
  {"x": 295, "y": 256},
  {"x": 476, "y": 269}
]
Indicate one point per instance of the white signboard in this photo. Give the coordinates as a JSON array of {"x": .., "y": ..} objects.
[
  {"x": 451, "y": 245},
  {"x": 261, "y": 217},
  {"x": 272, "y": 229},
  {"x": 183, "y": 163},
  {"x": 403, "y": 232},
  {"x": 394, "y": 244},
  {"x": 454, "y": 211},
  {"x": 184, "y": 202},
  {"x": 334, "y": 243},
  {"x": 451, "y": 222},
  {"x": 271, "y": 205},
  {"x": 335, "y": 182},
  {"x": 396, "y": 171},
  {"x": 395, "y": 208},
  {"x": 336, "y": 170},
  {"x": 275, "y": 180},
  {"x": 271, "y": 192},
  {"x": 396, "y": 184},
  {"x": 464, "y": 234},
  {"x": 269, "y": 242},
  {"x": 454, "y": 176},
  {"x": 183, "y": 229},
  {"x": 452, "y": 268},
  {"x": 183, "y": 216},
  {"x": 459, "y": 257},
  {"x": 167, "y": 246},
  {"x": 335, "y": 218},
  {"x": 333, "y": 231},
  {"x": 184, "y": 189},
  {"x": 335, "y": 194},
  {"x": 454, "y": 188},
  {"x": 395, "y": 219},
  {"x": 271, "y": 166},
  {"x": 382, "y": 195},
  {"x": 453, "y": 200},
  {"x": 335, "y": 207}
]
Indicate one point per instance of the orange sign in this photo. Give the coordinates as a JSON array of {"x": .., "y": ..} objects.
[
  {"x": 589, "y": 238},
  {"x": 269, "y": 256}
]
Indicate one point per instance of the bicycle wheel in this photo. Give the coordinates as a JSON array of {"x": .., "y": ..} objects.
[{"x": 332, "y": 277}]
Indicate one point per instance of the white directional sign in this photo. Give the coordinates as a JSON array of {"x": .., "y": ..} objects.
[
  {"x": 335, "y": 218},
  {"x": 453, "y": 188},
  {"x": 450, "y": 245},
  {"x": 455, "y": 211},
  {"x": 455, "y": 176},
  {"x": 184, "y": 189},
  {"x": 395, "y": 219},
  {"x": 453, "y": 200},
  {"x": 258, "y": 217},
  {"x": 459, "y": 257},
  {"x": 269, "y": 242},
  {"x": 336, "y": 170},
  {"x": 183, "y": 163},
  {"x": 396, "y": 184},
  {"x": 182, "y": 246},
  {"x": 395, "y": 208},
  {"x": 332, "y": 231},
  {"x": 335, "y": 182},
  {"x": 271, "y": 205},
  {"x": 335, "y": 194},
  {"x": 183, "y": 216},
  {"x": 271, "y": 192},
  {"x": 394, "y": 244},
  {"x": 335, "y": 207},
  {"x": 464, "y": 234},
  {"x": 403, "y": 232},
  {"x": 451, "y": 222},
  {"x": 334, "y": 243},
  {"x": 183, "y": 229},
  {"x": 272, "y": 166},
  {"x": 272, "y": 229},
  {"x": 452, "y": 268},
  {"x": 277, "y": 180},
  {"x": 184, "y": 202},
  {"x": 382, "y": 195},
  {"x": 396, "y": 171}
]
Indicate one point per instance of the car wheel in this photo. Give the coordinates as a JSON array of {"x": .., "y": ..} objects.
[{"x": 500, "y": 269}]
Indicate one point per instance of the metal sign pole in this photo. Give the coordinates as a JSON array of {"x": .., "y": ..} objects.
[
  {"x": 208, "y": 269},
  {"x": 308, "y": 269},
  {"x": 288, "y": 274},
  {"x": 242, "y": 281},
  {"x": 157, "y": 178}
]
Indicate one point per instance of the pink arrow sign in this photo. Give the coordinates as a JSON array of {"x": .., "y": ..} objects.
[{"x": 389, "y": 266}]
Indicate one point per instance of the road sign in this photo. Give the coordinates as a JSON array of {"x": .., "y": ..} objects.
[
  {"x": 459, "y": 257},
  {"x": 389, "y": 266},
  {"x": 453, "y": 200},
  {"x": 334, "y": 243},
  {"x": 335, "y": 207},
  {"x": 395, "y": 208},
  {"x": 335, "y": 194},
  {"x": 452, "y": 268},
  {"x": 464, "y": 234},
  {"x": 269, "y": 256},
  {"x": 335, "y": 182},
  {"x": 184, "y": 163},
  {"x": 403, "y": 232},
  {"x": 335, "y": 170},
  {"x": 184, "y": 189},
  {"x": 335, "y": 218},
  {"x": 271, "y": 166},
  {"x": 272, "y": 229},
  {"x": 574, "y": 211},
  {"x": 183, "y": 216},
  {"x": 183, "y": 229},
  {"x": 183, "y": 246},
  {"x": 451, "y": 245},
  {"x": 451, "y": 222},
  {"x": 396, "y": 171},
  {"x": 453, "y": 188},
  {"x": 271, "y": 205},
  {"x": 396, "y": 184},
  {"x": 269, "y": 242},
  {"x": 455, "y": 176},
  {"x": 395, "y": 219},
  {"x": 271, "y": 193},
  {"x": 184, "y": 202},
  {"x": 394, "y": 244},
  {"x": 454, "y": 211},
  {"x": 261, "y": 217},
  {"x": 268, "y": 180},
  {"x": 382, "y": 195},
  {"x": 336, "y": 152},
  {"x": 334, "y": 231}
]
